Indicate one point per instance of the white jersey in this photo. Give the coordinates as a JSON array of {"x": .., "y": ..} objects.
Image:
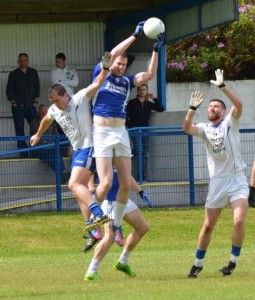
[
  {"x": 67, "y": 77},
  {"x": 222, "y": 146},
  {"x": 75, "y": 120}
]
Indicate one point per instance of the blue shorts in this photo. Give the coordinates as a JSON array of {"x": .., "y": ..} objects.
[{"x": 84, "y": 158}]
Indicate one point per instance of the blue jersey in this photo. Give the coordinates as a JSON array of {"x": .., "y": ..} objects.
[
  {"x": 112, "y": 97},
  {"x": 112, "y": 194}
]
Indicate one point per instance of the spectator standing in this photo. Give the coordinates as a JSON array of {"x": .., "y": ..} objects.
[
  {"x": 138, "y": 115},
  {"x": 23, "y": 91},
  {"x": 64, "y": 75}
]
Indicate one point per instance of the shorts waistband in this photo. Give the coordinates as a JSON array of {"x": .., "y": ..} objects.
[{"x": 108, "y": 128}]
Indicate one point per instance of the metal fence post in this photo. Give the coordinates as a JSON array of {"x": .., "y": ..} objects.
[
  {"x": 58, "y": 173},
  {"x": 140, "y": 155},
  {"x": 191, "y": 171}
]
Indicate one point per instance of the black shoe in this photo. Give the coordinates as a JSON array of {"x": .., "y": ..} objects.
[
  {"x": 91, "y": 242},
  {"x": 194, "y": 271},
  {"x": 97, "y": 221},
  {"x": 229, "y": 269}
]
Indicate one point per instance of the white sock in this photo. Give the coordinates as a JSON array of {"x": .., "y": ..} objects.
[
  {"x": 233, "y": 258},
  {"x": 118, "y": 213},
  {"x": 94, "y": 265},
  {"x": 199, "y": 262},
  {"x": 124, "y": 257}
]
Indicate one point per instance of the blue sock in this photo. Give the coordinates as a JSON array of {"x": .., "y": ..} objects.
[
  {"x": 200, "y": 254},
  {"x": 236, "y": 250},
  {"x": 95, "y": 209}
]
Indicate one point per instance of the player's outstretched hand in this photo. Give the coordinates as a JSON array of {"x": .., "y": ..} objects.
[
  {"x": 138, "y": 29},
  {"x": 34, "y": 140},
  {"x": 196, "y": 100},
  {"x": 106, "y": 60},
  {"x": 146, "y": 198},
  {"x": 219, "y": 82},
  {"x": 159, "y": 42}
]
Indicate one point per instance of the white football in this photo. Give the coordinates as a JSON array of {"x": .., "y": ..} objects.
[{"x": 153, "y": 27}]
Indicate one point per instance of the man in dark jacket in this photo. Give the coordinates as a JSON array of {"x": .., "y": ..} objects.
[
  {"x": 138, "y": 115},
  {"x": 23, "y": 91}
]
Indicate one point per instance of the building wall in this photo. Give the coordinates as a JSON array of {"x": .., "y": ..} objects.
[{"x": 178, "y": 96}]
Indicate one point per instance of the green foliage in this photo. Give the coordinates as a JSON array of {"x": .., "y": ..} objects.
[{"x": 229, "y": 47}]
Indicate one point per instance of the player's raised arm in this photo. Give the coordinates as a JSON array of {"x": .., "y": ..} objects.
[
  {"x": 124, "y": 45},
  {"x": 195, "y": 101},
  {"x": 95, "y": 85},
  {"x": 236, "y": 110},
  {"x": 146, "y": 76}
]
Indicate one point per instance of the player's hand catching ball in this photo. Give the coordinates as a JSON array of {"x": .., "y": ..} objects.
[{"x": 138, "y": 29}]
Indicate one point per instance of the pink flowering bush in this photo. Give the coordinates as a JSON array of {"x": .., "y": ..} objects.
[{"x": 229, "y": 47}]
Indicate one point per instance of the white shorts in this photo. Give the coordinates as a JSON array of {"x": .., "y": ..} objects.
[
  {"x": 108, "y": 207},
  {"x": 111, "y": 142},
  {"x": 223, "y": 191}
]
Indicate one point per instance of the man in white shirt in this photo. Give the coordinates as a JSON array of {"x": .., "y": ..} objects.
[
  {"x": 64, "y": 75},
  {"x": 228, "y": 183}
]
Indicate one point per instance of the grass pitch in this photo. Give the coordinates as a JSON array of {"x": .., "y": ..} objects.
[{"x": 40, "y": 258}]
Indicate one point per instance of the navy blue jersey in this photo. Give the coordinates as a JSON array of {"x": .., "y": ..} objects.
[{"x": 112, "y": 97}]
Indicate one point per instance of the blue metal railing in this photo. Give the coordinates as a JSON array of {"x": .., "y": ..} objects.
[
  {"x": 191, "y": 161},
  {"x": 57, "y": 142}
]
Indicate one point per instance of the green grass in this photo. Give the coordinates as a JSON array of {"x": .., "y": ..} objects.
[{"x": 40, "y": 258}]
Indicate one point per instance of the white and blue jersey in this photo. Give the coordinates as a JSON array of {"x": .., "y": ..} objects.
[
  {"x": 222, "y": 146},
  {"x": 75, "y": 120},
  {"x": 112, "y": 97}
]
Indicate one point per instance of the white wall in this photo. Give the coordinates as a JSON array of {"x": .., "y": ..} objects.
[{"x": 178, "y": 96}]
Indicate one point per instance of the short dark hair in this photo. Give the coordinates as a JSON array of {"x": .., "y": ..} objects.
[
  {"x": 124, "y": 55},
  {"x": 60, "y": 55},
  {"x": 23, "y": 54},
  {"x": 218, "y": 100},
  {"x": 58, "y": 88},
  {"x": 144, "y": 84}
]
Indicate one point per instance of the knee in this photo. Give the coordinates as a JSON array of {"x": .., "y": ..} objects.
[
  {"x": 208, "y": 227},
  {"x": 105, "y": 185},
  {"x": 72, "y": 186},
  {"x": 239, "y": 222},
  {"x": 143, "y": 229},
  {"x": 125, "y": 187}
]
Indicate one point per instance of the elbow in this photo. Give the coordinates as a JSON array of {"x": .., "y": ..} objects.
[
  {"x": 150, "y": 76},
  {"x": 186, "y": 128}
]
